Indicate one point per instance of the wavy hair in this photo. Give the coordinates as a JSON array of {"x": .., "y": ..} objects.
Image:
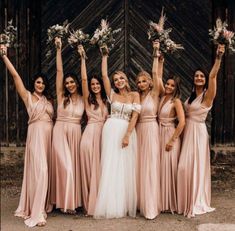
[
  {"x": 125, "y": 77},
  {"x": 147, "y": 75},
  {"x": 47, "y": 90}
]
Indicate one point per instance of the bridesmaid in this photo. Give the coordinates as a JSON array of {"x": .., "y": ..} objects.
[
  {"x": 148, "y": 165},
  {"x": 38, "y": 146},
  {"x": 170, "y": 111},
  {"x": 90, "y": 148},
  {"x": 66, "y": 178},
  {"x": 194, "y": 177}
]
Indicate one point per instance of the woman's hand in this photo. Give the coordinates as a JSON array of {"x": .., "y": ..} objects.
[
  {"x": 125, "y": 141},
  {"x": 220, "y": 51},
  {"x": 58, "y": 43},
  {"x": 156, "y": 46},
  {"x": 3, "y": 50},
  {"x": 161, "y": 58},
  {"x": 169, "y": 146},
  {"x": 104, "y": 50},
  {"x": 81, "y": 50}
]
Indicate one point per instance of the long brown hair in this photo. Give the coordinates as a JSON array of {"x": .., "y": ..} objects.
[
  {"x": 193, "y": 93},
  {"x": 47, "y": 90},
  {"x": 92, "y": 98},
  {"x": 66, "y": 92},
  {"x": 177, "y": 90}
]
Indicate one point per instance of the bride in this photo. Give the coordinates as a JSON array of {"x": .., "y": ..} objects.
[{"x": 117, "y": 195}]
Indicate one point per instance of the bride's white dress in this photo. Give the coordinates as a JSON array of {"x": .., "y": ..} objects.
[{"x": 117, "y": 195}]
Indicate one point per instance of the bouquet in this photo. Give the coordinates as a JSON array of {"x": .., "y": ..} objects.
[
  {"x": 78, "y": 37},
  {"x": 8, "y": 38},
  {"x": 56, "y": 31},
  {"x": 220, "y": 35},
  {"x": 157, "y": 32},
  {"x": 103, "y": 36}
]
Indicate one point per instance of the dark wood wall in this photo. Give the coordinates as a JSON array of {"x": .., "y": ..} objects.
[
  {"x": 223, "y": 123},
  {"x": 190, "y": 20},
  {"x": 26, "y": 59}
]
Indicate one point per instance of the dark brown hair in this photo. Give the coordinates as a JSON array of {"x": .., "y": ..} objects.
[
  {"x": 47, "y": 91},
  {"x": 177, "y": 90},
  {"x": 92, "y": 98},
  {"x": 66, "y": 92},
  {"x": 193, "y": 93}
]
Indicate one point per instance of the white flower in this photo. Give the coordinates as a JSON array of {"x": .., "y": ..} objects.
[{"x": 78, "y": 37}]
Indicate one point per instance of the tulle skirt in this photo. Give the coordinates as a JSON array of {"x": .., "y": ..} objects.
[{"x": 117, "y": 195}]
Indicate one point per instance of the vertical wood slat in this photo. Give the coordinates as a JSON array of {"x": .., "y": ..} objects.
[
  {"x": 26, "y": 59},
  {"x": 223, "y": 127},
  {"x": 17, "y": 96},
  {"x": 126, "y": 36},
  {"x": 2, "y": 77},
  {"x": 6, "y": 92}
]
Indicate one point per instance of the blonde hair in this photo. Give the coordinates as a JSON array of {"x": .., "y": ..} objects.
[
  {"x": 125, "y": 77},
  {"x": 147, "y": 75}
]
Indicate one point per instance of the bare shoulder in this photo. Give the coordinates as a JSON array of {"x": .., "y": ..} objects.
[
  {"x": 134, "y": 94},
  {"x": 177, "y": 101}
]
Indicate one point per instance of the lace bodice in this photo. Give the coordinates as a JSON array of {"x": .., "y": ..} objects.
[{"x": 123, "y": 110}]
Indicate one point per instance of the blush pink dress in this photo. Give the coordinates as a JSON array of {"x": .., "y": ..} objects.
[
  {"x": 194, "y": 177},
  {"x": 90, "y": 151},
  {"x": 37, "y": 152},
  {"x": 169, "y": 159},
  {"x": 148, "y": 164},
  {"x": 66, "y": 178}
]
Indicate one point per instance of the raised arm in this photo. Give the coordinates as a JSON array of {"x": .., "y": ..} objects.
[
  {"x": 160, "y": 74},
  {"x": 181, "y": 122},
  {"x": 104, "y": 71},
  {"x": 17, "y": 79},
  {"x": 59, "y": 71},
  {"x": 211, "y": 91},
  {"x": 85, "y": 89},
  {"x": 132, "y": 121},
  {"x": 156, "y": 84}
]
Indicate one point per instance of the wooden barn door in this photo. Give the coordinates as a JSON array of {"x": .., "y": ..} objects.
[
  {"x": 190, "y": 21},
  {"x": 26, "y": 59}
]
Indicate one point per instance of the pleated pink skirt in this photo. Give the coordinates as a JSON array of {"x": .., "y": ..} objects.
[{"x": 65, "y": 192}]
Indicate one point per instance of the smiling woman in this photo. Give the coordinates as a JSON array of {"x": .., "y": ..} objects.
[
  {"x": 38, "y": 146},
  {"x": 96, "y": 109},
  {"x": 148, "y": 158},
  {"x": 194, "y": 177},
  {"x": 117, "y": 188},
  {"x": 65, "y": 165}
]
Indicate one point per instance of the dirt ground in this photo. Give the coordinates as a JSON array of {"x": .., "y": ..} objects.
[{"x": 222, "y": 219}]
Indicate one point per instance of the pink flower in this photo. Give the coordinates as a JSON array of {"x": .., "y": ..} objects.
[{"x": 228, "y": 34}]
